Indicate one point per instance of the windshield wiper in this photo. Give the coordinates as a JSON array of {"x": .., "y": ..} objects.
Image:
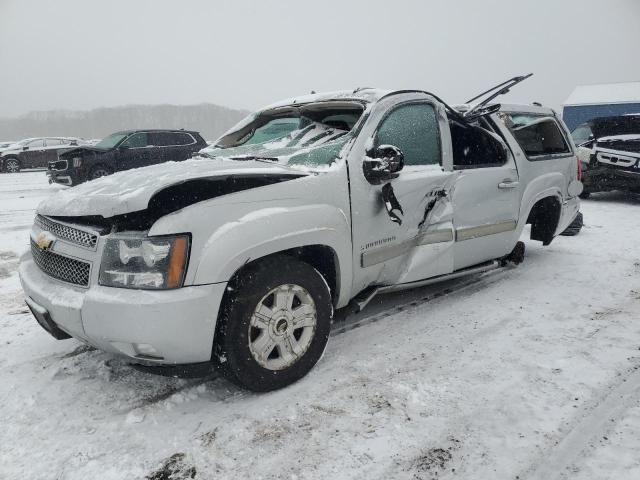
[{"x": 256, "y": 158}]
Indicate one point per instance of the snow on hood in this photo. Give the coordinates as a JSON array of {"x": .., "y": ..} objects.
[
  {"x": 131, "y": 190},
  {"x": 618, "y": 138}
]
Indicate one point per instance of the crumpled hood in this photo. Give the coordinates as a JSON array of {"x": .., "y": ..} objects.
[
  {"x": 131, "y": 190},
  {"x": 82, "y": 151}
]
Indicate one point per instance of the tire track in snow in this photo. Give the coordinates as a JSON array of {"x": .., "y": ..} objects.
[
  {"x": 559, "y": 460},
  {"x": 388, "y": 307}
]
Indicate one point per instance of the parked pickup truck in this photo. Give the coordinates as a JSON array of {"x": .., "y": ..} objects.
[
  {"x": 241, "y": 256},
  {"x": 609, "y": 149}
]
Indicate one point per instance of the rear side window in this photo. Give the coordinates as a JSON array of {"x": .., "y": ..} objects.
[
  {"x": 476, "y": 147},
  {"x": 539, "y": 136},
  {"x": 179, "y": 138},
  {"x": 160, "y": 139},
  {"x": 413, "y": 129},
  {"x": 137, "y": 140}
]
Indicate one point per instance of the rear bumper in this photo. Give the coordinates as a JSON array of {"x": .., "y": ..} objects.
[
  {"x": 164, "y": 327},
  {"x": 570, "y": 210}
]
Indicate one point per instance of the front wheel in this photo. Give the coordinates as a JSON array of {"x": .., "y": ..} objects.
[
  {"x": 12, "y": 165},
  {"x": 99, "y": 171},
  {"x": 274, "y": 324}
]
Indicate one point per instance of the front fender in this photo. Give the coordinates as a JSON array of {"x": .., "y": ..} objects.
[{"x": 273, "y": 229}]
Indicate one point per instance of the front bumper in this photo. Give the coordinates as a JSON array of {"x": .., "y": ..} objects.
[
  {"x": 164, "y": 327},
  {"x": 62, "y": 177},
  {"x": 602, "y": 179}
]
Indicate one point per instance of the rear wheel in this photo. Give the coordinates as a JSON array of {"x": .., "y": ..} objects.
[
  {"x": 12, "y": 165},
  {"x": 574, "y": 227},
  {"x": 99, "y": 171},
  {"x": 274, "y": 324}
]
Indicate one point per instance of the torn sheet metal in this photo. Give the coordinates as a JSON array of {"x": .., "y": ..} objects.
[{"x": 394, "y": 209}]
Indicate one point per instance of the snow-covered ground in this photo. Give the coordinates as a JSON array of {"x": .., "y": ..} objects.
[{"x": 530, "y": 373}]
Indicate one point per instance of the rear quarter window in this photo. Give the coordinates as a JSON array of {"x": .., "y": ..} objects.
[
  {"x": 539, "y": 136},
  {"x": 183, "y": 139}
]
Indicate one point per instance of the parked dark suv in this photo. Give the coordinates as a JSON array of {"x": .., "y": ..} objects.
[
  {"x": 123, "y": 151},
  {"x": 34, "y": 152}
]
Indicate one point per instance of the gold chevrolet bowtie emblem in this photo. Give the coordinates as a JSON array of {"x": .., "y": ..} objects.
[{"x": 45, "y": 240}]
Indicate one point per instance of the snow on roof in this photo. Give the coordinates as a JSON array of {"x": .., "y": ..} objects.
[
  {"x": 359, "y": 94},
  {"x": 605, "y": 93}
]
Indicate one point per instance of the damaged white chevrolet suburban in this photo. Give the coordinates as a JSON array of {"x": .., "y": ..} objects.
[{"x": 240, "y": 256}]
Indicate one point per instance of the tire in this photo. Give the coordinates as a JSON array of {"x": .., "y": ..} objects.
[
  {"x": 574, "y": 227},
  {"x": 99, "y": 171},
  {"x": 11, "y": 165},
  {"x": 269, "y": 351}
]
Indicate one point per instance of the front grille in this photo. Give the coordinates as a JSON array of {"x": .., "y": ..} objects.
[
  {"x": 63, "y": 268},
  {"x": 65, "y": 232},
  {"x": 58, "y": 165}
]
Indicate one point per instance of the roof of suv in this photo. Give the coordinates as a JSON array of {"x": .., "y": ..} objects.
[{"x": 166, "y": 130}]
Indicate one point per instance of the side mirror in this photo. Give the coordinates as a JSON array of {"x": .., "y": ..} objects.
[
  {"x": 122, "y": 148},
  {"x": 382, "y": 163},
  {"x": 26, "y": 147}
]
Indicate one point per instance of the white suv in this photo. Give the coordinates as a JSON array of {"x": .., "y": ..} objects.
[{"x": 241, "y": 256}]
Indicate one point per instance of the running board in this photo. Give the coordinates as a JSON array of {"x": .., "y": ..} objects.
[{"x": 363, "y": 300}]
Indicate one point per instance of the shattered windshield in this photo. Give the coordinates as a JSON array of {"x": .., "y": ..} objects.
[{"x": 308, "y": 134}]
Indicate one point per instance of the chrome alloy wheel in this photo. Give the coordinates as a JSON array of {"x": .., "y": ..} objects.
[
  {"x": 282, "y": 327},
  {"x": 12, "y": 166}
]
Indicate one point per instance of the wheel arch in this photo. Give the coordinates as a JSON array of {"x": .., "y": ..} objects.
[{"x": 544, "y": 216}]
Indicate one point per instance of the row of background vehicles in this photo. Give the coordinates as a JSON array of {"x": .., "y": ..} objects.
[
  {"x": 71, "y": 161},
  {"x": 313, "y": 204},
  {"x": 608, "y": 148}
]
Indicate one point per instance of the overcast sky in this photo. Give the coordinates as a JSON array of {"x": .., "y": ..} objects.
[{"x": 80, "y": 54}]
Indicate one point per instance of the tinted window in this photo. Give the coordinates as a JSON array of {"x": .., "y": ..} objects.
[
  {"x": 475, "y": 147},
  {"x": 54, "y": 142},
  {"x": 181, "y": 139},
  {"x": 160, "y": 139},
  {"x": 537, "y": 135},
  {"x": 137, "y": 140},
  {"x": 414, "y": 130}
]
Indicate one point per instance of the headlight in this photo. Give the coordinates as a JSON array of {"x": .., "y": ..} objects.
[{"x": 153, "y": 263}]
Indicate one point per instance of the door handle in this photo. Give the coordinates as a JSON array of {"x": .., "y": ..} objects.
[{"x": 507, "y": 185}]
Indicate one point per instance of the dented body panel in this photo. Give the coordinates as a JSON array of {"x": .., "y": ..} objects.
[{"x": 307, "y": 189}]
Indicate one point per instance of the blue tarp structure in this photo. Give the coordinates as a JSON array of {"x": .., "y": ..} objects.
[{"x": 602, "y": 100}]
